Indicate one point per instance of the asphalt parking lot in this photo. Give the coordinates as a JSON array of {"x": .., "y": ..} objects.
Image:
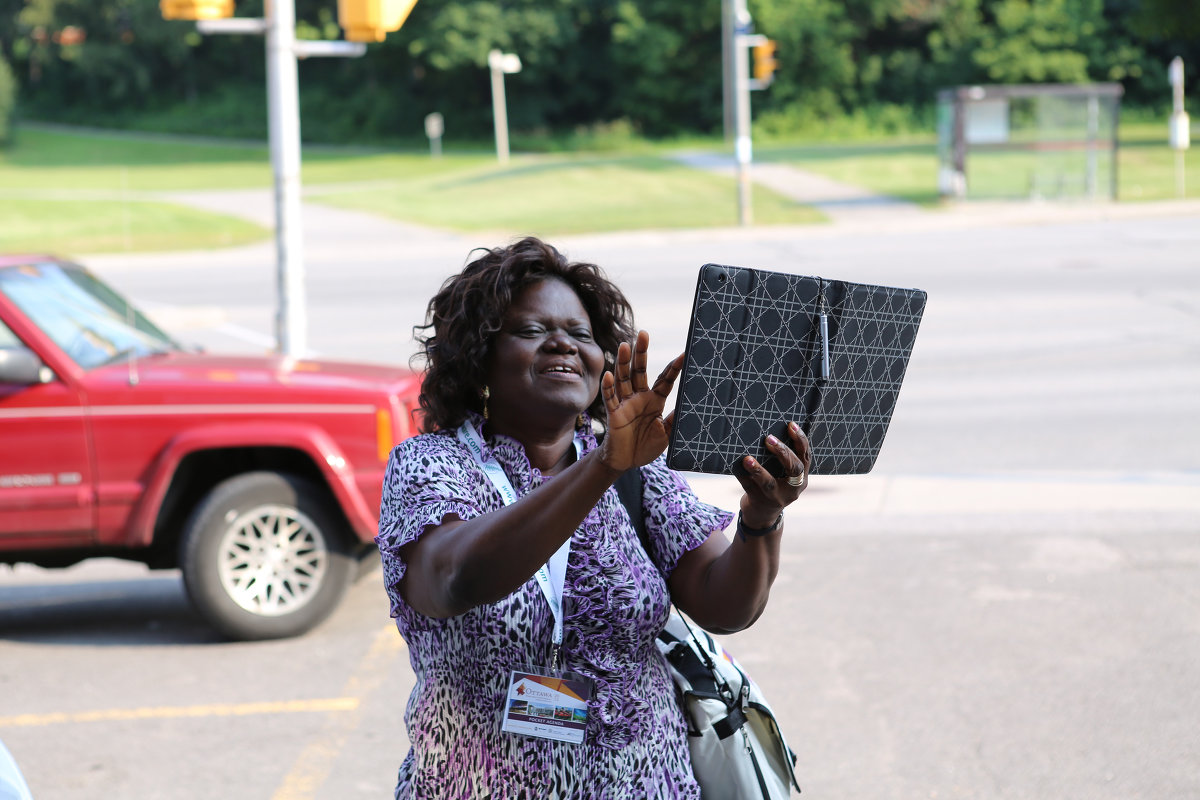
[{"x": 1006, "y": 608}]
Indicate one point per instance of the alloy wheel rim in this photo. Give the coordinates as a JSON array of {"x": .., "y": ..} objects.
[{"x": 272, "y": 560}]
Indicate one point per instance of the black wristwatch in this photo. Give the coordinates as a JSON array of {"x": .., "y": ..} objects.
[{"x": 743, "y": 531}]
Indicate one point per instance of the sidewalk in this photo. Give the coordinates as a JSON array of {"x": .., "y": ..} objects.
[{"x": 1027, "y": 502}]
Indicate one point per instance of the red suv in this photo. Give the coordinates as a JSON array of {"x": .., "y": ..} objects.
[{"x": 258, "y": 477}]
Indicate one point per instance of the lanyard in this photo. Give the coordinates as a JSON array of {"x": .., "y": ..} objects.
[{"x": 552, "y": 575}]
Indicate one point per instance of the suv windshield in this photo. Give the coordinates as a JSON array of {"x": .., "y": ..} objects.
[{"x": 90, "y": 322}]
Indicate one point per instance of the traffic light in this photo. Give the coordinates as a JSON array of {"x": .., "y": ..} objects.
[
  {"x": 764, "y": 62},
  {"x": 372, "y": 20},
  {"x": 196, "y": 9}
]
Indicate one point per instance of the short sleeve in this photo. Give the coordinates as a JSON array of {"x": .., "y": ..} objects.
[
  {"x": 676, "y": 519},
  {"x": 427, "y": 479}
]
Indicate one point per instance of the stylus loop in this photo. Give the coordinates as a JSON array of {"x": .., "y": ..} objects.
[{"x": 825, "y": 368}]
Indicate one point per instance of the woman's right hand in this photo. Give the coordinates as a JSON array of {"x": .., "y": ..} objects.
[{"x": 637, "y": 432}]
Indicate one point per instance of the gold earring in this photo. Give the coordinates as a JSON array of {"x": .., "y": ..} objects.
[
  {"x": 579, "y": 421},
  {"x": 486, "y": 395}
]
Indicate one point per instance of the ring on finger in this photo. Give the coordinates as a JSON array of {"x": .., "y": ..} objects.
[{"x": 796, "y": 480}]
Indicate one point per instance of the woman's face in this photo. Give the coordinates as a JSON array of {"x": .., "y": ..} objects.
[{"x": 545, "y": 366}]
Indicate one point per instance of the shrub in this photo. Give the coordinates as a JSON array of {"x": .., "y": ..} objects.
[{"x": 822, "y": 119}]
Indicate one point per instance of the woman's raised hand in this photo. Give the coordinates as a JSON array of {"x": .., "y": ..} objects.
[{"x": 637, "y": 431}]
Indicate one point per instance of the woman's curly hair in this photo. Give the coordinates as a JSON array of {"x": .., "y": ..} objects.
[{"x": 465, "y": 315}]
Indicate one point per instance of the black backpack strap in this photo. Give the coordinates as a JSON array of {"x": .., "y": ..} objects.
[
  {"x": 684, "y": 659},
  {"x": 629, "y": 489}
]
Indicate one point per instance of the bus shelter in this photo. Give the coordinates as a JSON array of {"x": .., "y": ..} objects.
[{"x": 1036, "y": 141}]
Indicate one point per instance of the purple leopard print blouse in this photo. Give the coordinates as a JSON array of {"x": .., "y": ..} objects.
[{"x": 616, "y": 601}]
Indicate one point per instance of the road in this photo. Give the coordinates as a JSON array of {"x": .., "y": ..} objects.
[{"x": 1008, "y": 607}]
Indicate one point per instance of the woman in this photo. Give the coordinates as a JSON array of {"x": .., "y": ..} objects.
[{"x": 524, "y": 350}]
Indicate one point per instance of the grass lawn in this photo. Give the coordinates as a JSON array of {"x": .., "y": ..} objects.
[
  {"x": 561, "y": 195},
  {"x": 545, "y": 194},
  {"x": 49, "y": 159},
  {"x": 1146, "y": 170},
  {"x": 56, "y": 186},
  {"x": 69, "y": 227}
]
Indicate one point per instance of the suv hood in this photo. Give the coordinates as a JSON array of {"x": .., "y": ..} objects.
[{"x": 207, "y": 374}]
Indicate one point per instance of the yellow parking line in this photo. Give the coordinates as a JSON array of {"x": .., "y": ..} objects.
[
  {"x": 316, "y": 761},
  {"x": 181, "y": 712}
]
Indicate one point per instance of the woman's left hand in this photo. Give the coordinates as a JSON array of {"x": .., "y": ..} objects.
[
  {"x": 766, "y": 496},
  {"x": 637, "y": 431}
]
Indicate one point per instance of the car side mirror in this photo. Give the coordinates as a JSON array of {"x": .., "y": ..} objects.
[{"x": 21, "y": 366}]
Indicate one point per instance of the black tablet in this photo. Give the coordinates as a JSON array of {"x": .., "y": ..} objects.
[{"x": 765, "y": 348}]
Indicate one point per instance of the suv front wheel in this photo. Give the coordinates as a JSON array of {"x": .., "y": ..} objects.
[{"x": 263, "y": 558}]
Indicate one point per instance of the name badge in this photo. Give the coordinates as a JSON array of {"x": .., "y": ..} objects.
[{"x": 547, "y": 706}]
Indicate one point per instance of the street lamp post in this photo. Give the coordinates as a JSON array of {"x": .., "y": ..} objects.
[{"x": 500, "y": 64}]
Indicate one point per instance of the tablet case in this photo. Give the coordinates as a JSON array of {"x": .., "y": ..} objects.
[{"x": 766, "y": 348}]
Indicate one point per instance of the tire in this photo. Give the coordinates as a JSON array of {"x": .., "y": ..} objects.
[{"x": 263, "y": 556}]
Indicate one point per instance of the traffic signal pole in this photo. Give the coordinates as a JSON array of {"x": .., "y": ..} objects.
[
  {"x": 727, "y": 79},
  {"x": 742, "y": 143},
  {"x": 283, "y": 126},
  {"x": 283, "y": 132},
  {"x": 738, "y": 38}
]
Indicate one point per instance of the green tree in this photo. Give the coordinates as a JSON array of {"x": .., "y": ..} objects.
[
  {"x": 668, "y": 60},
  {"x": 1037, "y": 41},
  {"x": 8, "y": 100},
  {"x": 653, "y": 63},
  {"x": 817, "y": 54},
  {"x": 1166, "y": 20}
]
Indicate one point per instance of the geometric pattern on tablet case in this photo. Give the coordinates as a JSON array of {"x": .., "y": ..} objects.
[{"x": 753, "y": 362}]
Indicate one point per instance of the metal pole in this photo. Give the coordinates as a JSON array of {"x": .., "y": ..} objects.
[
  {"x": 743, "y": 148},
  {"x": 283, "y": 123},
  {"x": 1093, "y": 133},
  {"x": 1180, "y": 132},
  {"x": 960, "y": 144},
  {"x": 499, "y": 107}
]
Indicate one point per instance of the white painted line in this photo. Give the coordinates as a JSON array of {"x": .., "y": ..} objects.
[{"x": 182, "y": 712}]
